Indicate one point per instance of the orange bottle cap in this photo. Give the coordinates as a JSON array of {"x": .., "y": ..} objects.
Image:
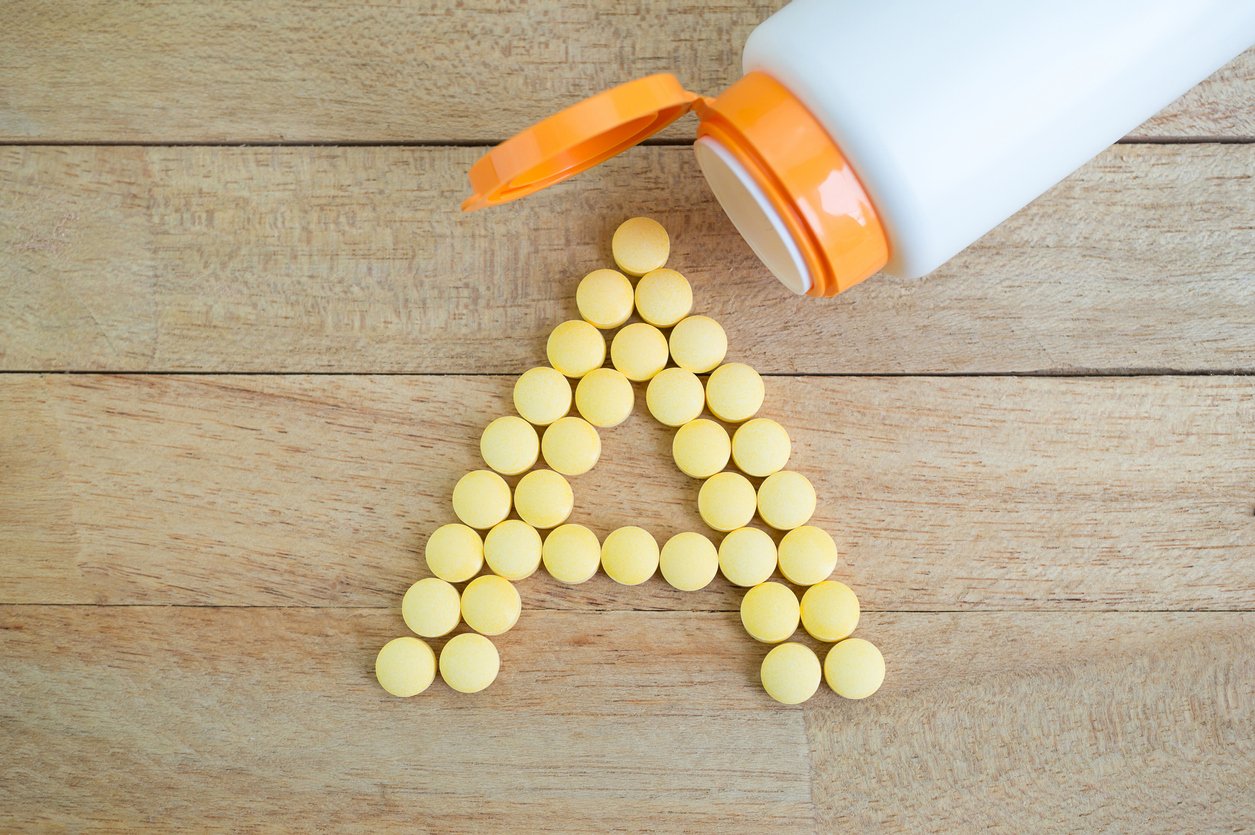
[{"x": 577, "y": 138}]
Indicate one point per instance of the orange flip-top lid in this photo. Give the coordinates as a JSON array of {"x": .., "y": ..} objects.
[{"x": 577, "y": 138}]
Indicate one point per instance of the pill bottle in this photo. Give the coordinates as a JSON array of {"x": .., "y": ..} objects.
[{"x": 889, "y": 135}]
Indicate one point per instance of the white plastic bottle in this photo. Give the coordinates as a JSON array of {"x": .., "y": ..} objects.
[{"x": 889, "y": 135}]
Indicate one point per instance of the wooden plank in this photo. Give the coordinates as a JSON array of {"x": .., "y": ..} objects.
[
  {"x": 400, "y": 71},
  {"x": 185, "y": 718},
  {"x": 943, "y": 493},
  {"x": 356, "y": 259}
]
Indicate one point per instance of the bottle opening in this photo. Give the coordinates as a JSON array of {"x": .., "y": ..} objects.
[{"x": 758, "y": 222}]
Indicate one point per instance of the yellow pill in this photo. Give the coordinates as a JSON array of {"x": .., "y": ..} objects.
[
  {"x": 509, "y": 445},
  {"x": 542, "y": 395},
  {"x": 430, "y": 608},
  {"x": 674, "y": 396},
  {"x": 663, "y": 297},
  {"x": 786, "y": 500},
  {"x": 571, "y": 554},
  {"x": 688, "y": 561},
  {"x": 734, "y": 392},
  {"x": 698, "y": 344},
  {"x": 790, "y": 673},
  {"x": 571, "y": 446},
  {"x": 761, "y": 447},
  {"x": 491, "y": 604},
  {"x": 807, "y": 555},
  {"x": 701, "y": 448},
  {"x": 854, "y": 668},
  {"x": 605, "y": 298},
  {"x": 629, "y": 555},
  {"x": 830, "y": 611},
  {"x": 747, "y": 556},
  {"x": 481, "y": 499},
  {"x": 639, "y": 245},
  {"x": 639, "y": 351},
  {"x": 405, "y": 666},
  {"x": 543, "y": 499},
  {"x": 770, "y": 613},
  {"x": 454, "y": 553},
  {"x": 512, "y": 549},
  {"x": 469, "y": 663},
  {"x": 604, "y": 397},
  {"x": 726, "y": 501},
  {"x": 576, "y": 348}
]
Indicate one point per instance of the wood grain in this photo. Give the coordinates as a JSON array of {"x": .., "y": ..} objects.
[
  {"x": 943, "y": 493},
  {"x": 184, "y": 718},
  {"x": 395, "y": 71},
  {"x": 356, "y": 259}
]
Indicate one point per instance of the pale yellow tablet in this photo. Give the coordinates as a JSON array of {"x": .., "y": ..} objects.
[
  {"x": 790, "y": 673},
  {"x": 747, "y": 556},
  {"x": 786, "y": 500},
  {"x": 512, "y": 549},
  {"x": 734, "y": 392},
  {"x": 605, "y": 298},
  {"x": 481, "y": 499},
  {"x": 639, "y": 245},
  {"x": 604, "y": 397},
  {"x": 688, "y": 561},
  {"x": 454, "y": 553},
  {"x": 770, "y": 613},
  {"x": 431, "y": 608},
  {"x": 701, "y": 448},
  {"x": 761, "y": 447},
  {"x": 571, "y": 554},
  {"x": 509, "y": 445},
  {"x": 576, "y": 348},
  {"x": 571, "y": 446},
  {"x": 543, "y": 499},
  {"x": 674, "y": 397},
  {"x": 629, "y": 555},
  {"x": 469, "y": 662},
  {"x": 663, "y": 297},
  {"x": 807, "y": 555},
  {"x": 854, "y": 668},
  {"x": 639, "y": 351},
  {"x": 698, "y": 344},
  {"x": 829, "y": 611},
  {"x": 405, "y": 666},
  {"x": 542, "y": 395},
  {"x": 726, "y": 501},
  {"x": 491, "y": 604}
]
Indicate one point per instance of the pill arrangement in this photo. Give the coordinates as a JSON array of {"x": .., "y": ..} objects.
[{"x": 569, "y": 446}]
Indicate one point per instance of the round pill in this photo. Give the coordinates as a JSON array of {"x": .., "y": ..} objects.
[
  {"x": 576, "y": 348},
  {"x": 431, "y": 608},
  {"x": 688, "y": 561},
  {"x": 469, "y": 662},
  {"x": 829, "y": 611},
  {"x": 605, "y": 298},
  {"x": 698, "y": 344},
  {"x": 604, "y": 397},
  {"x": 769, "y": 612},
  {"x": 509, "y": 445},
  {"x": 761, "y": 447},
  {"x": 512, "y": 549},
  {"x": 405, "y": 666},
  {"x": 571, "y": 446},
  {"x": 807, "y": 555},
  {"x": 454, "y": 553},
  {"x": 854, "y": 668},
  {"x": 790, "y": 673},
  {"x": 747, "y": 556},
  {"x": 663, "y": 297},
  {"x": 481, "y": 499},
  {"x": 674, "y": 396},
  {"x": 639, "y": 245},
  {"x": 639, "y": 351},
  {"x": 786, "y": 500},
  {"x": 491, "y": 604},
  {"x": 726, "y": 501},
  {"x": 543, "y": 499},
  {"x": 542, "y": 395},
  {"x": 734, "y": 392},
  {"x": 701, "y": 448},
  {"x": 629, "y": 555},
  {"x": 571, "y": 554}
]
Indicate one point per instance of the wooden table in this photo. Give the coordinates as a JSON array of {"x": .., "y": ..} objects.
[{"x": 248, "y": 343}]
